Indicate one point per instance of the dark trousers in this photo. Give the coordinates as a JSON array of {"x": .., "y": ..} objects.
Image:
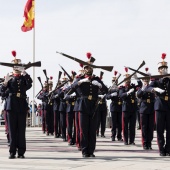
[
  {"x": 57, "y": 128},
  {"x": 17, "y": 127},
  {"x": 147, "y": 128},
  {"x": 162, "y": 123},
  {"x": 43, "y": 120},
  {"x": 116, "y": 124},
  {"x": 50, "y": 121},
  {"x": 63, "y": 124},
  {"x": 71, "y": 129},
  {"x": 101, "y": 120},
  {"x": 77, "y": 123},
  {"x": 128, "y": 126},
  {"x": 88, "y": 125}
]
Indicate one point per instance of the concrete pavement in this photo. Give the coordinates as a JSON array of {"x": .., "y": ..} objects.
[{"x": 48, "y": 153}]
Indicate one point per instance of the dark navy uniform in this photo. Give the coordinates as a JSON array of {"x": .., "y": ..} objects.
[
  {"x": 129, "y": 107},
  {"x": 162, "y": 109},
  {"x": 17, "y": 107},
  {"x": 56, "y": 104},
  {"x": 88, "y": 119},
  {"x": 146, "y": 111},
  {"x": 116, "y": 114}
]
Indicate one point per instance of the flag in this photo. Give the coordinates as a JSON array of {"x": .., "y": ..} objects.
[{"x": 29, "y": 16}]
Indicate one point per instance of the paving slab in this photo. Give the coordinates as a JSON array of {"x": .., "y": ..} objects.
[{"x": 49, "y": 153}]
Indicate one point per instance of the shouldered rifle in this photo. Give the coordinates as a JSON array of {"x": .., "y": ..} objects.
[
  {"x": 66, "y": 73},
  {"x": 155, "y": 76},
  {"x": 45, "y": 72},
  {"x": 107, "y": 68},
  {"x": 52, "y": 92},
  {"x": 141, "y": 65},
  {"x": 26, "y": 66},
  {"x": 39, "y": 78}
]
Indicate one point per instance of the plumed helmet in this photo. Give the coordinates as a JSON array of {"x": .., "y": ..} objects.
[{"x": 163, "y": 63}]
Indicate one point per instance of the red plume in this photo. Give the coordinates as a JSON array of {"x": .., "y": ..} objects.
[
  {"x": 115, "y": 73},
  {"x": 163, "y": 56},
  {"x": 14, "y": 53},
  {"x": 88, "y": 55},
  {"x": 81, "y": 65},
  {"x": 146, "y": 69},
  {"x": 51, "y": 77},
  {"x": 126, "y": 69}
]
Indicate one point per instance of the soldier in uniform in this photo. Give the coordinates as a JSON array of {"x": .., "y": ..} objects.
[
  {"x": 56, "y": 104},
  {"x": 146, "y": 111},
  {"x": 115, "y": 109},
  {"x": 88, "y": 86},
  {"x": 62, "y": 109},
  {"x": 129, "y": 106},
  {"x": 101, "y": 112},
  {"x": 17, "y": 107},
  {"x": 161, "y": 88}
]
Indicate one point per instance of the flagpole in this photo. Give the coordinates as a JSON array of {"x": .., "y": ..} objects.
[{"x": 33, "y": 108}]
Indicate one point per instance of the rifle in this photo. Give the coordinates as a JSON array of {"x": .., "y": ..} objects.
[
  {"x": 66, "y": 73},
  {"x": 137, "y": 71},
  {"x": 141, "y": 65},
  {"x": 52, "y": 93},
  {"x": 107, "y": 68},
  {"x": 26, "y": 66},
  {"x": 154, "y": 76},
  {"x": 39, "y": 78},
  {"x": 45, "y": 72}
]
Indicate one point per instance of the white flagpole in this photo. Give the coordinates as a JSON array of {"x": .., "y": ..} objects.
[{"x": 33, "y": 108}]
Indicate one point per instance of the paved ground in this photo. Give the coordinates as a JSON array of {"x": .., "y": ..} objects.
[{"x": 47, "y": 153}]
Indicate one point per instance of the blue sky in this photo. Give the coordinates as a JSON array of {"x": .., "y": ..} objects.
[{"x": 116, "y": 32}]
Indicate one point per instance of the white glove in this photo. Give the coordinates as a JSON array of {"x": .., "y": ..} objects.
[
  {"x": 113, "y": 94},
  {"x": 130, "y": 91},
  {"x": 159, "y": 90},
  {"x": 83, "y": 80},
  {"x": 101, "y": 96},
  {"x": 7, "y": 78},
  {"x": 23, "y": 73},
  {"x": 73, "y": 95},
  {"x": 96, "y": 83},
  {"x": 56, "y": 96}
]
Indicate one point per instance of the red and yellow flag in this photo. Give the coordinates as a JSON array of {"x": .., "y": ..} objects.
[{"x": 29, "y": 16}]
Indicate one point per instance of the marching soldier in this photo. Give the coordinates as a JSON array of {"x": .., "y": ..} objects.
[
  {"x": 129, "y": 106},
  {"x": 146, "y": 111},
  {"x": 161, "y": 88},
  {"x": 101, "y": 112},
  {"x": 88, "y": 86},
  {"x": 115, "y": 109},
  {"x": 17, "y": 107}
]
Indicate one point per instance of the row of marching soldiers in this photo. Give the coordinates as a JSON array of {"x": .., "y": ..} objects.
[{"x": 82, "y": 103}]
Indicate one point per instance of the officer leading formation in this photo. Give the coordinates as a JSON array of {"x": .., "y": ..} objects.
[{"x": 77, "y": 106}]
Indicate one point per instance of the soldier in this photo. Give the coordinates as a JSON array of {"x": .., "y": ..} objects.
[
  {"x": 146, "y": 111},
  {"x": 101, "y": 112},
  {"x": 62, "y": 109},
  {"x": 88, "y": 86},
  {"x": 115, "y": 109},
  {"x": 129, "y": 106},
  {"x": 56, "y": 104},
  {"x": 17, "y": 107},
  {"x": 161, "y": 88},
  {"x": 47, "y": 108}
]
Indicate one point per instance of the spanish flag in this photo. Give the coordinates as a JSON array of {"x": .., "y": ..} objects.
[{"x": 29, "y": 16}]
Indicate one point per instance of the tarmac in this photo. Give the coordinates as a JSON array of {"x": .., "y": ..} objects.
[{"x": 49, "y": 153}]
